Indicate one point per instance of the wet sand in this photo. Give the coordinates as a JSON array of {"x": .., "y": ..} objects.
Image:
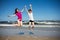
[
  {"x": 40, "y": 33},
  {"x": 27, "y": 38}
]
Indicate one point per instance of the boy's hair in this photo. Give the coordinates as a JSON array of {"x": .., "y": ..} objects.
[{"x": 29, "y": 10}]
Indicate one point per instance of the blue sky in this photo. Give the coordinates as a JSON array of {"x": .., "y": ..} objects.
[{"x": 42, "y": 9}]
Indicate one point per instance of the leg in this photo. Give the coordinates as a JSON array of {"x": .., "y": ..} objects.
[
  {"x": 18, "y": 23},
  {"x": 21, "y": 23},
  {"x": 29, "y": 25},
  {"x": 32, "y": 25}
]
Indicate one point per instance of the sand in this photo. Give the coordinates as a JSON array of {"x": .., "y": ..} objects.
[
  {"x": 27, "y": 38},
  {"x": 51, "y": 34}
]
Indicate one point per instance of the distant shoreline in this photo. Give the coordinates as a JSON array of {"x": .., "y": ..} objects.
[{"x": 38, "y": 23}]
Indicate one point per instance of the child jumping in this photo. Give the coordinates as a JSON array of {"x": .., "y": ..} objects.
[
  {"x": 19, "y": 15},
  {"x": 30, "y": 14}
]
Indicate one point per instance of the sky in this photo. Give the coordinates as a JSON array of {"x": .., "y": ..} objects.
[{"x": 42, "y": 9}]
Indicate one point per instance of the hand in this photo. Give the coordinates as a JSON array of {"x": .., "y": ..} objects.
[
  {"x": 8, "y": 16},
  {"x": 25, "y": 5},
  {"x": 30, "y": 5}
]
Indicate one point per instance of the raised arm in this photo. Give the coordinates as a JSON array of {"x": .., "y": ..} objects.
[
  {"x": 26, "y": 9},
  {"x": 30, "y": 6},
  {"x": 22, "y": 10}
]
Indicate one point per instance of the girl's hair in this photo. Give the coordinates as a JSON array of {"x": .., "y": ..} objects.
[{"x": 16, "y": 10}]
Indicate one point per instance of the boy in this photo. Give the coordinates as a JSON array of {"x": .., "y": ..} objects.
[{"x": 30, "y": 14}]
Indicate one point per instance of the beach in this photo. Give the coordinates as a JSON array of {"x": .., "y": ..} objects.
[
  {"x": 40, "y": 32},
  {"x": 16, "y": 16},
  {"x": 28, "y": 38}
]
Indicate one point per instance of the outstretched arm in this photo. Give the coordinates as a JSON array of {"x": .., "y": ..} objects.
[
  {"x": 11, "y": 15},
  {"x": 30, "y": 6},
  {"x": 26, "y": 9}
]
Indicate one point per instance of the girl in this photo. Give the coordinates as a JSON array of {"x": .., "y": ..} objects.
[
  {"x": 30, "y": 14},
  {"x": 19, "y": 15}
]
